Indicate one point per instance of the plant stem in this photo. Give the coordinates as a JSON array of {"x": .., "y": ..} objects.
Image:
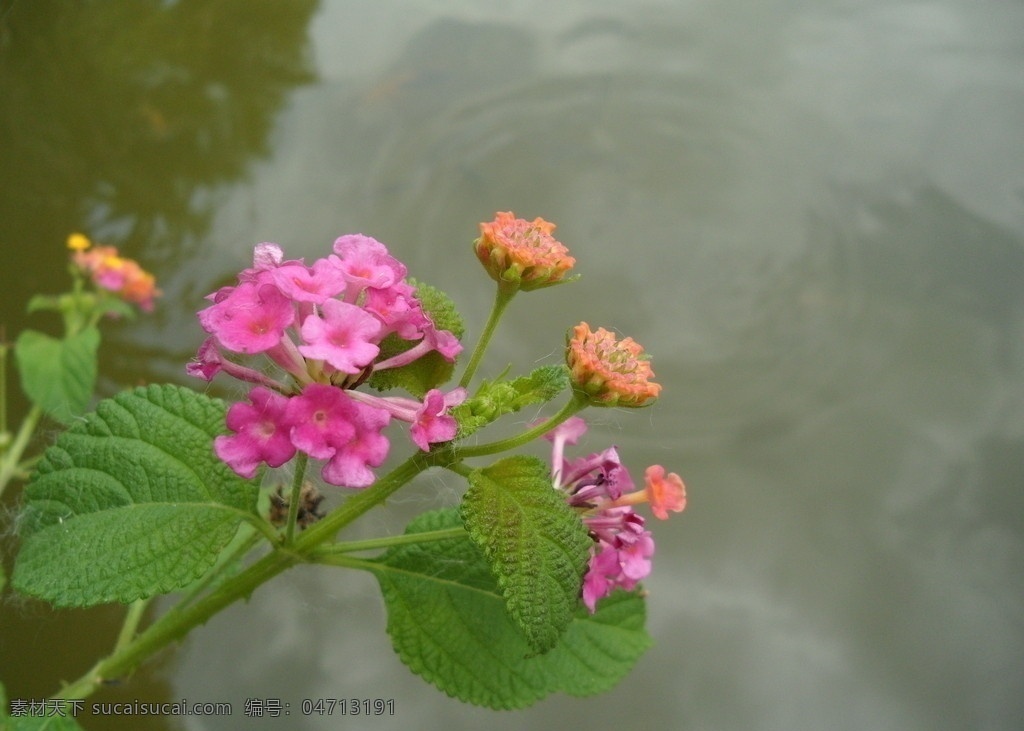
[
  {"x": 577, "y": 403},
  {"x": 301, "y": 460},
  {"x": 224, "y": 563},
  {"x": 333, "y": 549},
  {"x": 180, "y": 619},
  {"x": 175, "y": 624},
  {"x": 363, "y": 501},
  {"x": 9, "y": 462},
  {"x": 136, "y": 610},
  {"x": 501, "y": 299}
]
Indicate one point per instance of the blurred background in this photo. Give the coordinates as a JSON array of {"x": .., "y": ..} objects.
[{"x": 811, "y": 214}]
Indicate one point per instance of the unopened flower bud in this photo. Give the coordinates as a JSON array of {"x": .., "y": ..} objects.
[
  {"x": 611, "y": 372},
  {"x": 522, "y": 254}
]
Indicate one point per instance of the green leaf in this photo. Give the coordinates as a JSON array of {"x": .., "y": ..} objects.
[
  {"x": 42, "y": 303},
  {"x": 430, "y": 370},
  {"x": 535, "y": 543},
  {"x": 499, "y": 397},
  {"x": 448, "y": 623},
  {"x": 58, "y": 375},
  {"x": 131, "y": 501}
]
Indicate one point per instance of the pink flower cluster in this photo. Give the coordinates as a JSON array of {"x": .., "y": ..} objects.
[
  {"x": 321, "y": 327},
  {"x": 601, "y": 489}
]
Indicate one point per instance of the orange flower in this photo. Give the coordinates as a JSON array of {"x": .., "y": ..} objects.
[
  {"x": 522, "y": 253},
  {"x": 612, "y": 372},
  {"x": 664, "y": 492},
  {"x": 114, "y": 273}
]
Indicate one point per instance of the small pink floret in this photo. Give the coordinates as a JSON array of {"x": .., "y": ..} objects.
[
  {"x": 351, "y": 463},
  {"x": 250, "y": 318},
  {"x": 261, "y": 433},
  {"x": 323, "y": 417},
  {"x": 343, "y": 336},
  {"x": 433, "y": 423}
]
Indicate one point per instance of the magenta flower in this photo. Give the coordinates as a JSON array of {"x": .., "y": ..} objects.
[
  {"x": 314, "y": 284},
  {"x": 432, "y": 423},
  {"x": 619, "y": 558},
  {"x": 398, "y": 309},
  {"x": 598, "y": 581},
  {"x": 351, "y": 463},
  {"x": 342, "y": 337},
  {"x": 568, "y": 432},
  {"x": 261, "y": 433},
  {"x": 440, "y": 340},
  {"x": 250, "y": 318},
  {"x": 319, "y": 329},
  {"x": 208, "y": 362},
  {"x": 600, "y": 488},
  {"x": 366, "y": 262},
  {"x": 323, "y": 417}
]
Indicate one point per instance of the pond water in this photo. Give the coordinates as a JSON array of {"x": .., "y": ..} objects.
[{"x": 810, "y": 213}]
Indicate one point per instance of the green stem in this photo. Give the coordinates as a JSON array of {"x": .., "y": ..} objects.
[
  {"x": 9, "y": 463},
  {"x": 136, "y": 610},
  {"x": 501, "y": 299},
  {"x": 301, "y": 460},
  {"x": 386, "y": 542},
  {"x": 180, "y": 619},
  {"x": 351, "y": 562},
  {"x": 363, "y": 501},
  {"x": 175, "y": 624},
  {"x": 577, "y": 403},
  {"x": 225, "y": 563}
]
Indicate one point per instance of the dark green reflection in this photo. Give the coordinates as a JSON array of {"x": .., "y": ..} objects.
[{"x": 121, "y": 120}]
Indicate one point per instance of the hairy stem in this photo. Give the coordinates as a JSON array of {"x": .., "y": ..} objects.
[
  {"x": 182, "y": 618},
  {"x": 326, "y": 554},
  {"x": 576, "y": 404},
  {"x": 9, "y": 466},
  {"x": 501, "y": 299},
  {"x": 301, "y": 460}
]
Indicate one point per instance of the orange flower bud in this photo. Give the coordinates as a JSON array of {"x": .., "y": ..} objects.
[
  {"x": 522, "y": 253},
  {"x": 612, "y": 372}
]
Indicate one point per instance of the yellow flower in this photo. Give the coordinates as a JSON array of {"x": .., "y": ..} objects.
[{"x": 78, "y": 242}]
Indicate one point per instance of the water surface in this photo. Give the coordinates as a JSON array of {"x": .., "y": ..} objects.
[{"x": 811, "y": 214}]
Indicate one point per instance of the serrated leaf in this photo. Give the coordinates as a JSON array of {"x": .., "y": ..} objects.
[
  {"x": 499, "y": 397},
  {"x": 58, "y": 375},
  {"x": 131, "y": 501},
  {"x": 535, "y": 543},
  {"x": 599, "y": 649},
  {"x": 432, "y": 369},
  {"x": 448, "y": 623}
]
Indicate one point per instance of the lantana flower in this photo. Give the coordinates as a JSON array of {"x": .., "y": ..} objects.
[
  {"x": 114, "y": 273},
  {"x": 318, "y": 329},
  {"x": 522, "y": 254},
  {"x": 611, "y": 372},
  {"x": 600, "y": 488}
]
